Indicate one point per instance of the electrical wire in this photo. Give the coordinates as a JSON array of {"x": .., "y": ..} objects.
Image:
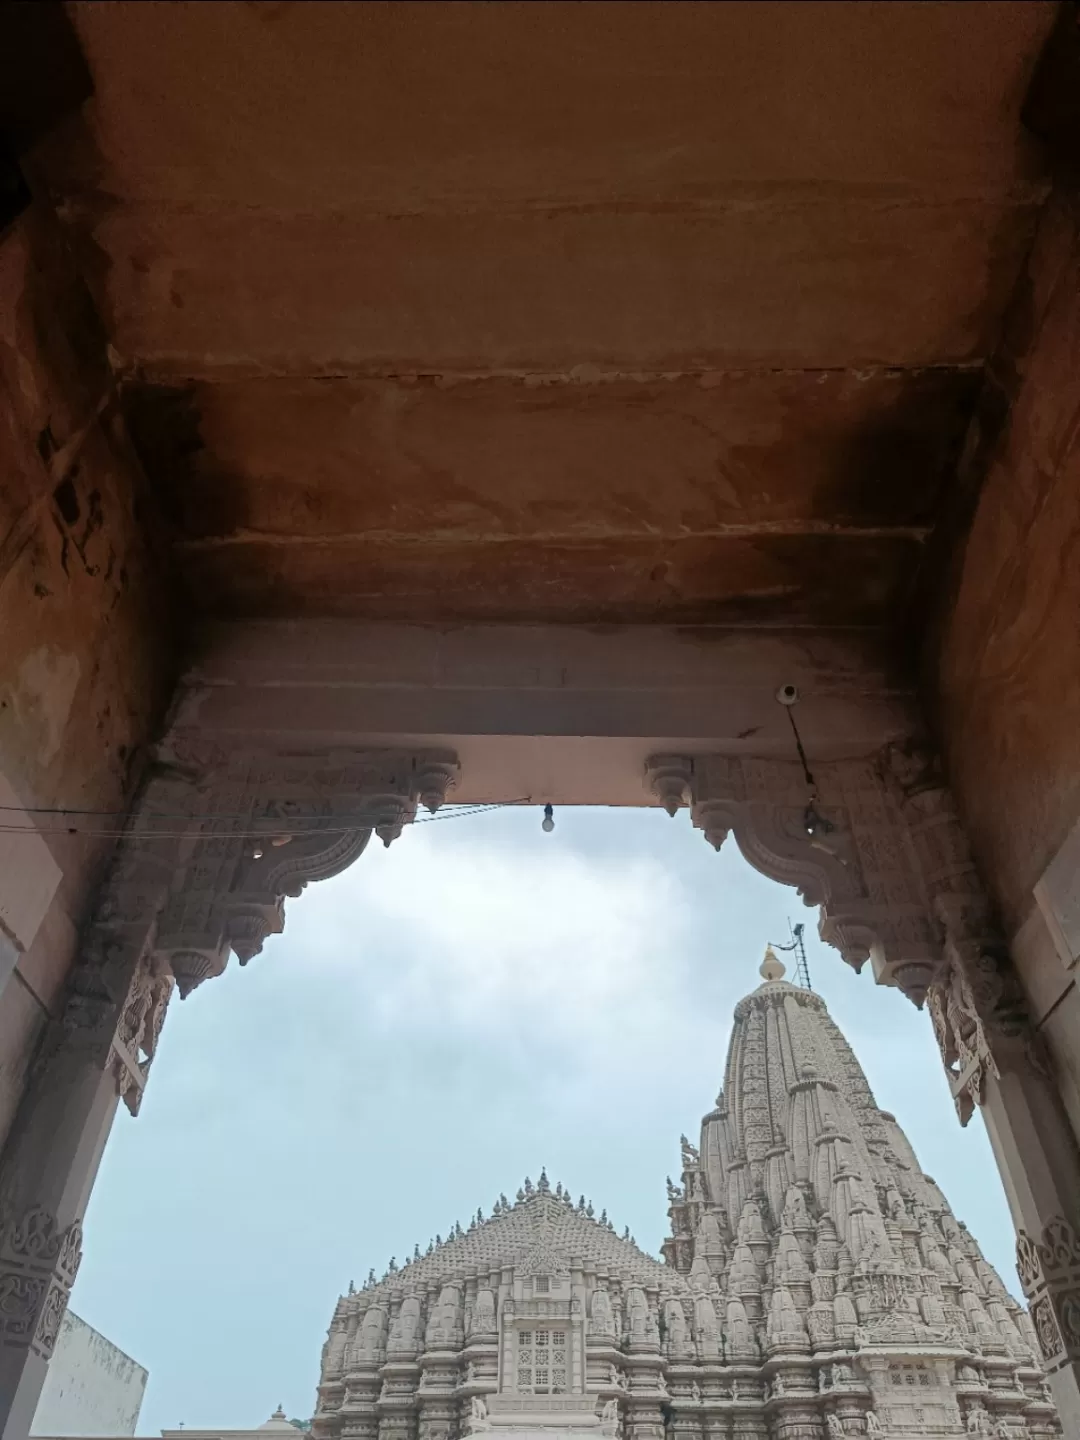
[{"x": 266, "y": 833}]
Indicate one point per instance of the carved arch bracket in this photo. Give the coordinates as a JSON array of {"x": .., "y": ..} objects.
[
  {"x": 845, "y": 853},
  {"x": 880, "y": 851},
  {"x": 285, "y": 820},
  {"x": 215, "y": 846}
]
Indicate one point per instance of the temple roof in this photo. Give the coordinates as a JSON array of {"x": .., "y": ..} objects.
[
  {"x": 802, "y": 1222},
  {"x": 542, "y": 1231}
]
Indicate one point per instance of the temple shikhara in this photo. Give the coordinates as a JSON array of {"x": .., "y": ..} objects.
[{"x": 815, "y": 1283}]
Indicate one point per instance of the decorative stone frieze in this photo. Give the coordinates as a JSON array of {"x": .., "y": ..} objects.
[
  {"x": 1049, "y": 1270},
  {"x": 38, "y": 1264}
]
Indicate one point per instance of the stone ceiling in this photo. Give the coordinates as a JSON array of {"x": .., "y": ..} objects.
[{"x": 545, "y": 311}]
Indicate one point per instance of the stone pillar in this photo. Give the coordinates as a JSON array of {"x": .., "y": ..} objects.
[
  {"x": 53, "y": 1155},
  {"x": 213, "y": 846}
]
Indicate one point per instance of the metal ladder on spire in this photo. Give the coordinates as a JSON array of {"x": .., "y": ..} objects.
[{"x": 798, "y": 949}]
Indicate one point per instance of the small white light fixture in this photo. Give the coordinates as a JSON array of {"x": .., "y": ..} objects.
[{"x": 548, "y": 823}]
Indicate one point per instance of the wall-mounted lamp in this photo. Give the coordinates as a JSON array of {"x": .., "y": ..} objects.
[{"x": 548, "y": 822}]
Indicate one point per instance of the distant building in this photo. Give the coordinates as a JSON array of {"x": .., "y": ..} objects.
[
  {"x": 276, "y": 1428},
  {"x": 92, "y": 1388}
]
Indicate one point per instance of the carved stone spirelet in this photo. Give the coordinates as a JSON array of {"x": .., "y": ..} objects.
[{"x": 38, "y": 1264}]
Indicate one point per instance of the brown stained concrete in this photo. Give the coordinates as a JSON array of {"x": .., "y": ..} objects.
[
  {"x": 716, "y": 497},
  {"x": 552, "y": 311},
  {"x": 85, "y": 651},
  {"x": 1007, "y": 673}
]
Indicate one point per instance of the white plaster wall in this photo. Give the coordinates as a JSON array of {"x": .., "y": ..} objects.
[{"x": 91, "y": 1388}]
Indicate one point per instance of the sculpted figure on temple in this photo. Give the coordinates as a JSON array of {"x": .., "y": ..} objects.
[
  {"x": 609, "y": 1418},
  {"x": 478, "y": 1415},
  {"x": 873, "y": 1424},
  {"x": 600, "y": 1316},
  {"x": 404, "y": 1329},
  {"x": 836, "y": 1429},
  {"x": 637, "y": 1316},
  {"x": 372, "y": 1336},
  {"x": 695, "y": 1392},
  {"x": 675, "y": 1324},
  {"x": 690, "y": 1154},
  {"x": 483, "y": 1315},
  {"x": 444, "y": 1316},
  {"x": 978, "y": 1422}
]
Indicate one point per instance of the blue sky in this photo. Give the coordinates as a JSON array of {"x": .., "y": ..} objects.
[{"x": 451, "y": 1014}]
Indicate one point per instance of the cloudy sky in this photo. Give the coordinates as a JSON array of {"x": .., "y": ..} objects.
[{"x": 476, "y": 1002}]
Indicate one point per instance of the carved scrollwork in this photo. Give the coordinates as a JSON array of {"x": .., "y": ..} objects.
[
  {"x": 317, "y": 813},
  {"x": 842, "y": 847},
  {"x": 876, "y": 845},
  {"x": 1049, "y": 1271},
  {"x": 39, "y": 1260}
]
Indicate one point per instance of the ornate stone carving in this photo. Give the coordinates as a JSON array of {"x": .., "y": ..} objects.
[
  {"x": 38, "y": 1264},
  {"x": 139, "y": 1028},
  {"x": 842, "y": 847},
  {"x": 285, "y": 820},
  {"x": 1049, "y": 1271},
  {"x": 878, "y": 847}
]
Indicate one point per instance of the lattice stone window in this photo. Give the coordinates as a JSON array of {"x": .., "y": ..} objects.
[
  {"x": 542, "y": 1284},
  {"x": 541, "y": 1362}
]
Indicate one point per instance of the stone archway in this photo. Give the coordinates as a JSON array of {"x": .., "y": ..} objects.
[{"x": 218, "y": 842}]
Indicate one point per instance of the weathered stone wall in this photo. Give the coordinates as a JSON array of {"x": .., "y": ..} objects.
[
  {"x": 1005, "y": 666},
  {"x": 84, "y": 648}
]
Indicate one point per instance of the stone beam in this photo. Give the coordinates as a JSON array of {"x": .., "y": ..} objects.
[{"x": 561, "y": 713}]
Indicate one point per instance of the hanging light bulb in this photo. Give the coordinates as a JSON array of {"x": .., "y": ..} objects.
[{"x": 548, "y": 823}]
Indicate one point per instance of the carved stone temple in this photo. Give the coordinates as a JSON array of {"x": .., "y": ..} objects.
[{"x": 815, "y": 1284}]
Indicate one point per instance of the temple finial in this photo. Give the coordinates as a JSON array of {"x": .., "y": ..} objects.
[{"x": 771, "y": 967}]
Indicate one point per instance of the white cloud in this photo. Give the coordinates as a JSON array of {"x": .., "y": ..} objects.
[{"x": 587, "y": 958}]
